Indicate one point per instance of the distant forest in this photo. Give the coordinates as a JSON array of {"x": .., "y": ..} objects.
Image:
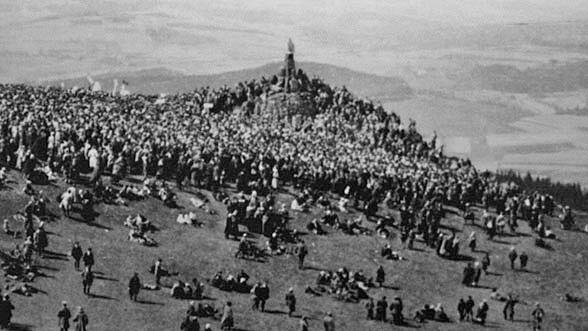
[{"x": 567, "y": 194}]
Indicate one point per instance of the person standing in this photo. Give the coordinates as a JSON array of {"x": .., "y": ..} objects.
[
  {"x": 81, "y": 320},
  {"x": 157, "y": 271},
  {"x": 255, "y": 296},
  {"x": 302, "y": 252},
  {"x": 6, "y": 308},
  {"x": 88, "y": 259},
  {"x": 329, "y": 322},
  {"x": 134, "y": 287},
  {"x": 508, "y": 310},
  {"x": 369, "y": 306},
  {"x": 482, "y": 313},
  {"x": 63, "y": 317},
  {"x": 190, "y": 323},
  {"x": 264, "y": 294},
  {"x": 227, "y": 321},
  {"x": 291, "y": 301},
  {"x": 76, "y": 253},
  {"x": 512, "y": 256},
  {"x": 485, "y": 262},
  {"x": 380, "y": 276},
  {"x": 87, "y": 280},
  {"x": 461, "y": 309},
  {"x": 537, "y": 314},
  {"x": 523, "y": 259},
  {"x": 469, "y": 308},
  {"x": 381, "y": 307}
]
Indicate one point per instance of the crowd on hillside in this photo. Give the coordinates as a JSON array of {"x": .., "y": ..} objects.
[{"x": 347, "y": 146}]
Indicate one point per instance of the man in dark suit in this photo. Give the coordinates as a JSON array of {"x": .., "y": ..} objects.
[{"x": 134, "y": 287}]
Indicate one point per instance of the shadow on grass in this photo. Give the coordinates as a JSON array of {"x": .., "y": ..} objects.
[
  {"x": 54, "y": 257},
  {"x": 90, "y": 223},
  {"x": 494, "y": 273},
  {"x": 147, "y": 302},
  {"x": 275, "y": 312},
  {"x": 106, "y": 278},
  {"x": 47, "y": 268},
  {"x": 20, "y": 327},
  {"x": 99, "y": 296},
  {"x": 55, "y": 253},
  {"x": 311, "y": 267}
]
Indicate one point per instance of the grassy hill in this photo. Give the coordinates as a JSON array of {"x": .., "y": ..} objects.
[
  {"x": 161, "y": 80},
  {"x": 423, "y": 278}
]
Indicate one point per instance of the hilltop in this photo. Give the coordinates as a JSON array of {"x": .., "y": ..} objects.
[{"x": 162, "y": 80}]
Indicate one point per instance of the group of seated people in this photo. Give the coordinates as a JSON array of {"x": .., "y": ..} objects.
[
  {"x": 342, "y": 284},
  {"x": 387, "y": 253},
  {"x": 431, "y": 313},
  {"x": 238, "y": 283},
  {"x": 183, "y": 290},
  {"x": 139, "y": 226},
  {"x": 350, "y": 227}
]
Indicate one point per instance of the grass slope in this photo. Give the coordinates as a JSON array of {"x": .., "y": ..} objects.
[{"x": 199, "y": 252}]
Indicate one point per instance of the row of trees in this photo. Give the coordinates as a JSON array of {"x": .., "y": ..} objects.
[{"x": 567, "y": 194}]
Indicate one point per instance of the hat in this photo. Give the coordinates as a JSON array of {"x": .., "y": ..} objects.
[
  {"x": 64, "y": 303},
  {"x": 291, "y": 289}
]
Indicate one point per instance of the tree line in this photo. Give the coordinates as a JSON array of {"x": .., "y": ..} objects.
[{"x": 566, "y": 193}]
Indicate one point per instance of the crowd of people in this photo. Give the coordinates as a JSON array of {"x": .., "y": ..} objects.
[{"x": 208, "y": 138}]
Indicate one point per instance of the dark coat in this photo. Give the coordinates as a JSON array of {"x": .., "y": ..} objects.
[
  {"x": 134, "y": 284},
  {"x": 88, "y": 258},
  {"x": 63, "y": 315},
  {"x": 81, "y": 320}
]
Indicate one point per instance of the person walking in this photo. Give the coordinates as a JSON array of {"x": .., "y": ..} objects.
[
  {"x": 76, "y": 254},
  {"x": 303, "y": 323},
  {"x": 63, "y": 317},
  {"x": 134, "y": 287},
  {"x": 81, "y": 320}
]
